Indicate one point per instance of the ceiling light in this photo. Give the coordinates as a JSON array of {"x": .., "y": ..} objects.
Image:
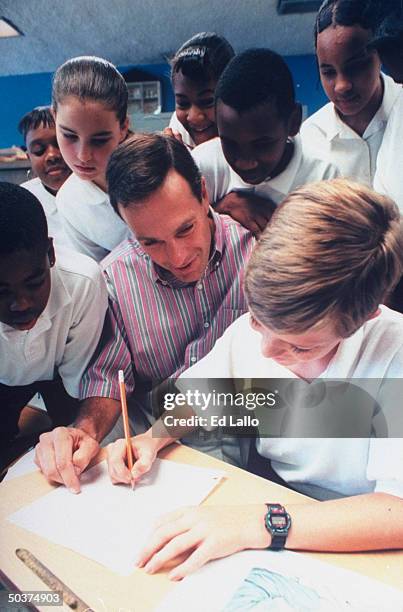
[
  {"x": 8, "y": 29},
  {"x": 285, "y": 7}
]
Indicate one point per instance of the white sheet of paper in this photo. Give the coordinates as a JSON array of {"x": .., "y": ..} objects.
[
  {"x": 110, "y": 523},
  {"x": 23, "y": 466},
  {"x": 284, "y": 581}
]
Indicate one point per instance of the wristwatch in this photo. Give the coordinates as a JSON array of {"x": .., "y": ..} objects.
[{"x": 277, "y": 522}]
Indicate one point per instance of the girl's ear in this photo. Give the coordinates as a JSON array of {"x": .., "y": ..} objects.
[
  {"x": 124, "y": 128},
  {"x": 295, "y": 120}
]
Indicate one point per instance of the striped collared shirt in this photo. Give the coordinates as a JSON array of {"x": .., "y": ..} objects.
[{"x": 157, "y": 327}]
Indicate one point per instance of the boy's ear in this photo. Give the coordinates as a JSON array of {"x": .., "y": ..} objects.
[
  {"x": 374, "y": 314},
  {"x": 51, "y": 253},
  {"x": 295, "y": 120},
  {"x": 53, "y": 113}
]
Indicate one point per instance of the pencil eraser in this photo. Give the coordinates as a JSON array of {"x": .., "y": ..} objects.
[{"x": 121, "y": 376}]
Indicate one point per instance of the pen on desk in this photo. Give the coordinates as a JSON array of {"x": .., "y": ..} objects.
[
  {"x": 52, "y": 581},
  {"x": 125, "y": 417}
]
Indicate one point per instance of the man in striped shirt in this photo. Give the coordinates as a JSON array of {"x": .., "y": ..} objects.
[{"x": 173, "y": 290}]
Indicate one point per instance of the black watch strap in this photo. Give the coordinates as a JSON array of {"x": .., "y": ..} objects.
[{"x": 278, "y": 523}]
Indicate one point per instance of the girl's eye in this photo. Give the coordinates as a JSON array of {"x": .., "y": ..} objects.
[
  {"x": 327, "y": 73},
  {"x": 100, "y": 142},
  {"x": 297, "y": 349},
  {"x": 69, "y": 136},
  {"x": 182, "y": 105},
  {"x": 206, "y": 103}
]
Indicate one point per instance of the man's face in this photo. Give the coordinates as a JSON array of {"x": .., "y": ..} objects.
[
  {"x": 24, "y": 286},
  {"x": 254, "y": 142},
  {"x": 45, "y": 157},
  {"x": 173, "y": 228}
]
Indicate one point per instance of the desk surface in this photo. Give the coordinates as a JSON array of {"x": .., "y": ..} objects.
[{"x": 105, "y": 591}]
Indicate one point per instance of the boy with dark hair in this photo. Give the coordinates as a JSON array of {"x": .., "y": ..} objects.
[
  {"x": 258, "y": 159},
  {"x": 51, "y": 315},
  {"x": 39, "y": 132}
]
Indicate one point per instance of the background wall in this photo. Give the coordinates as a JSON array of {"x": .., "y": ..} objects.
[{"x": 20, "y": 93}]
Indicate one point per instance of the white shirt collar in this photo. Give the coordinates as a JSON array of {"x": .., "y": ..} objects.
[
  {"x": 93, "y": 194},
  {"x": 284, "y": 181},
  {"x": 334, "y": 126}
]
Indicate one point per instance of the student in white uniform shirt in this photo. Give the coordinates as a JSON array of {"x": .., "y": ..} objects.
[
  {"x": 47, "y": 163},
  {"x": 348, "y": 131},
  {"x": 51, "y": 315},
  {"x": 314, "y": 284},
  {"x": 259, "y": 158},
  {"x": 388, "y": 178},
  {"x": 195, "y": 70},
  {"x": 89, "y": 99}
]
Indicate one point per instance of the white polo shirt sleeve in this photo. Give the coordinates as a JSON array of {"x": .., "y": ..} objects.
[
  {"x": 216, "y": 171},
  {"x": 91, "y": 224},
  {"x": 89, "y": 295},
  {"x": 389, "y": 165}
]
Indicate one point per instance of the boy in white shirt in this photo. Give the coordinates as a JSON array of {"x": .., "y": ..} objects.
[
  {"x": 51, "y": 315},
  {"x": 39, "y": 132},
  {"x": 258, "y": 159},
  {"x": 314, "y": 284}
]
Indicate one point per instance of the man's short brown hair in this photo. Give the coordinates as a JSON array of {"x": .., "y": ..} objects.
[
  {"x": 332, "y": 251},
  {"x": 138, "y": 167}
]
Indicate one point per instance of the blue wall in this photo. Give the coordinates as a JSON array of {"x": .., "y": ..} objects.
[{"x": 19, "y": 94}]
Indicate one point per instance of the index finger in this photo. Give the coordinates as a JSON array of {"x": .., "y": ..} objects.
[
  {"x": 45, "y": 457},
  {"x": 63, "y": 445}
]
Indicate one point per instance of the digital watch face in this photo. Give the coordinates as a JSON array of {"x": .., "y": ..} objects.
[{"x": 279, "y": 522}]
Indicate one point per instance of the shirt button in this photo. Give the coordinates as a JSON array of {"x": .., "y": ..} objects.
[
  {"x": 200, "y": 286},
  {"x": 206, "y": 324},
  {"x": 193, "y": 359}
]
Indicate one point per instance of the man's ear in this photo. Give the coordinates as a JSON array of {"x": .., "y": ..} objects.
[
  {"x": 295, "y": 120},
  {"x": 205, "y": 197},
  {"x": 51, "y": 253}
]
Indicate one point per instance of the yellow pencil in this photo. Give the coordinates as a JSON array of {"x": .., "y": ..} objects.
[{"x": 125, "y": 416}]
